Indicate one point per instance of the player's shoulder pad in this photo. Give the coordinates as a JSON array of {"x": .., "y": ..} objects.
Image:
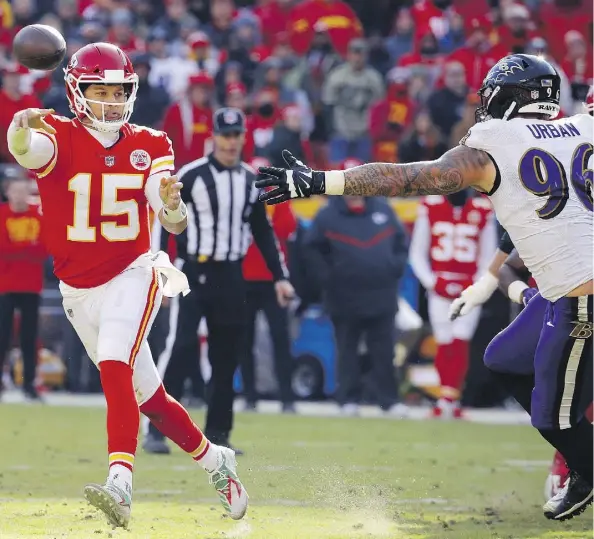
[
  {"x": 433, "y": 200},
  {"x": 483, "y": 135}
]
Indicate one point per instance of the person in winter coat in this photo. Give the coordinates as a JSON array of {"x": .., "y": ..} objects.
[{"x": 357, "y": 249}]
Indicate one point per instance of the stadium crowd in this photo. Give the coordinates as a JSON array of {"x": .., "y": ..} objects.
[{"x": 332, "y": 81}]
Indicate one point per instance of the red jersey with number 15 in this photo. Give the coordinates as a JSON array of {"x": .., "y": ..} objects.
[
  {"x": 455, "y": 233},
  {"x": 93, "y": 199}
]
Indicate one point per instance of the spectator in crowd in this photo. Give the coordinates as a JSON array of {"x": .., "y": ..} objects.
[
  {"x": 189, "y": 121},
  {"x": 577, "y": 65},
  {"x": 265, "y": 115},
  {"x": 391, "y": 116},
  {"x": 274, "y": 17},
  {"x": 219, "y": 29},
  {"x": 446, "y": 104},
  {"x": 151, "y": 101},
  {"x": 205, "y": 56},
  {"x": 167, "y": 70},
  {"x": 22, "y": 256},
  {"x": 67, "y": 11},
  {"x": 271, "y": 79},
  {"x": 357, "y": 249},
  {"x": 478, "y": 55},
  {"x": 401, "y": 40},
  {"x": 176, "y": 16},
  {"x": 335, "y": 17},
  {"x": 12, "y": 100},
  {"x": 563, "y": 16},
  {"x": 122, "y": 34},
  {"x": 423, "y": 142},
  {"x": 539, "y": 46},
  {"x": 518, "y": 28},
  {"x": 287, "y": 136},
  {"x": 349, "y": 93},
  {"x": 467, "y": 120},
  {"x": 261, "y": 296}
]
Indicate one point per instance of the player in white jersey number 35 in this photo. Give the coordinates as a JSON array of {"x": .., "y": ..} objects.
[{"x": 537, "y": 173}]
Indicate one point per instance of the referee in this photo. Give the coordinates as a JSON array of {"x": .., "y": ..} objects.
[{"x": 223, "y": 214}]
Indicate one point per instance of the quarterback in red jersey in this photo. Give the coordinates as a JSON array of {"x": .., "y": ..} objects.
[
  {"x": 97, "y": 175},
  {"x": 453, "y": 240}
]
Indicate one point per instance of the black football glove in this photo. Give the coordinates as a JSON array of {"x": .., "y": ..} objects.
[{"x": 298, "y": 181}]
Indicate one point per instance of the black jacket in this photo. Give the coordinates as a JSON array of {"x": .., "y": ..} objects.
[{"x": 358, "y": 258}]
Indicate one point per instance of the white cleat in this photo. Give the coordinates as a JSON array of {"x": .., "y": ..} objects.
[
  {"x": 231, "y": 492},
  {"x": 112, "y": 500}
]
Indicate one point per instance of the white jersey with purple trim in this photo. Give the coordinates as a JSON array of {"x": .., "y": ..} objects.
[{"x": 543, "y": 194}]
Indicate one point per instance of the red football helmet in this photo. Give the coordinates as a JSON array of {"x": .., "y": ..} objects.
[
  {"x": 100, "y": 63},
  {"x": 590, "y": 101}
]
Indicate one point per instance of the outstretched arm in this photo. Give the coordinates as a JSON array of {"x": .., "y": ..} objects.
[{"x": 455, "y": 170}]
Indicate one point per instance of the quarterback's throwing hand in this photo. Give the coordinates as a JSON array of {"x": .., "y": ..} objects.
[
  {"x": 33, "y": 118},
  {"x": 169, "y": 190},
  {"x": 298, "y": 181}
]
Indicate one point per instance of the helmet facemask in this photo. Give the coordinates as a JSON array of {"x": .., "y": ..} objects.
[{"x": 79, "y": 104}]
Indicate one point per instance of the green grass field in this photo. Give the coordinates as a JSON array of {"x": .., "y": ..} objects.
[{"x": 308, "y": 478}]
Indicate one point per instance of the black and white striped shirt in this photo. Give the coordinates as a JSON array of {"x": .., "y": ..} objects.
[{"x": 223, "y": 214}]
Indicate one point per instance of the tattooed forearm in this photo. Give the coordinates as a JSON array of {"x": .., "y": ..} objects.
[{"x": 457, "y": 169}]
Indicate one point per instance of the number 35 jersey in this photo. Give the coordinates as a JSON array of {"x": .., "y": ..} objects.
[
  {"x": 94, "y": 202},
  {"x": 543, "y": 194}
]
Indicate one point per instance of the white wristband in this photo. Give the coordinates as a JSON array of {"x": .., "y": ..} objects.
[
  {"x": 177, "y": 215},
  {"x": 334, "y": 182},
  {"x": 515, "y": 289}
]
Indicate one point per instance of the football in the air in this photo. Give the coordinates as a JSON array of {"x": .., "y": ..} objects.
[{"x": 39, "y": 46}]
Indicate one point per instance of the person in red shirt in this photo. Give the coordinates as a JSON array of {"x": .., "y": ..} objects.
[
  {"x": 334, "y": 16},
  {"x": 453, "y": 240},
  {"x": 189, "y": 121},
  {"x": 478, "y": 55},
  {"x": 97, "y": 175},
  {"x": 390, "y": 117},
  {"x": 274, "y": 17},
  {"x": 12, "y": 100},
  {"x": 261, "y": 296},
  {"x": 517, "y": 30},
  {"x": 21, "y": 265}
]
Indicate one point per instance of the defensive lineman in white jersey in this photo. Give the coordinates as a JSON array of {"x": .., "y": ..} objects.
[{"x": 537, "y": 174}]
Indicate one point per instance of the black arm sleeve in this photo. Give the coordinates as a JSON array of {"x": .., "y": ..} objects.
[{"x": 506, "y": 244}]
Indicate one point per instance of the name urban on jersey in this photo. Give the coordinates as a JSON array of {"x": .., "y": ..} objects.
[{"x": 553, "y": 131}]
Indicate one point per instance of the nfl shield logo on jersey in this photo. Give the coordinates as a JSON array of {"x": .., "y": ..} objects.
[
  {"x": 140, "y": 159},
  {"x": 109, "y": 160}
]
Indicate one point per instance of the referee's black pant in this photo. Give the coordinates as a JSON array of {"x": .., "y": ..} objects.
[
  {"x": 261, "y": 296},
  {"x": 28, "y": 305},
  {"x": 218, "y": 294}
]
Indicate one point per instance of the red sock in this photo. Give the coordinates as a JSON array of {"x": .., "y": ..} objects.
[
  {"x": 445, "y": 365},
  {"x": 172, "y": 419},
  {"x": 459, "y": 363},
  {"x": 123, "y": 418}
]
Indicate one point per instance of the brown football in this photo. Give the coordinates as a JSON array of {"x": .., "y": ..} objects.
[{"x": 38, "y": 46}]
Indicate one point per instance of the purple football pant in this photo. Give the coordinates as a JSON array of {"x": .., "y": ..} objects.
[
  {"x": 512, "y": 350},
  {"x": 553, "y": 341}
]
